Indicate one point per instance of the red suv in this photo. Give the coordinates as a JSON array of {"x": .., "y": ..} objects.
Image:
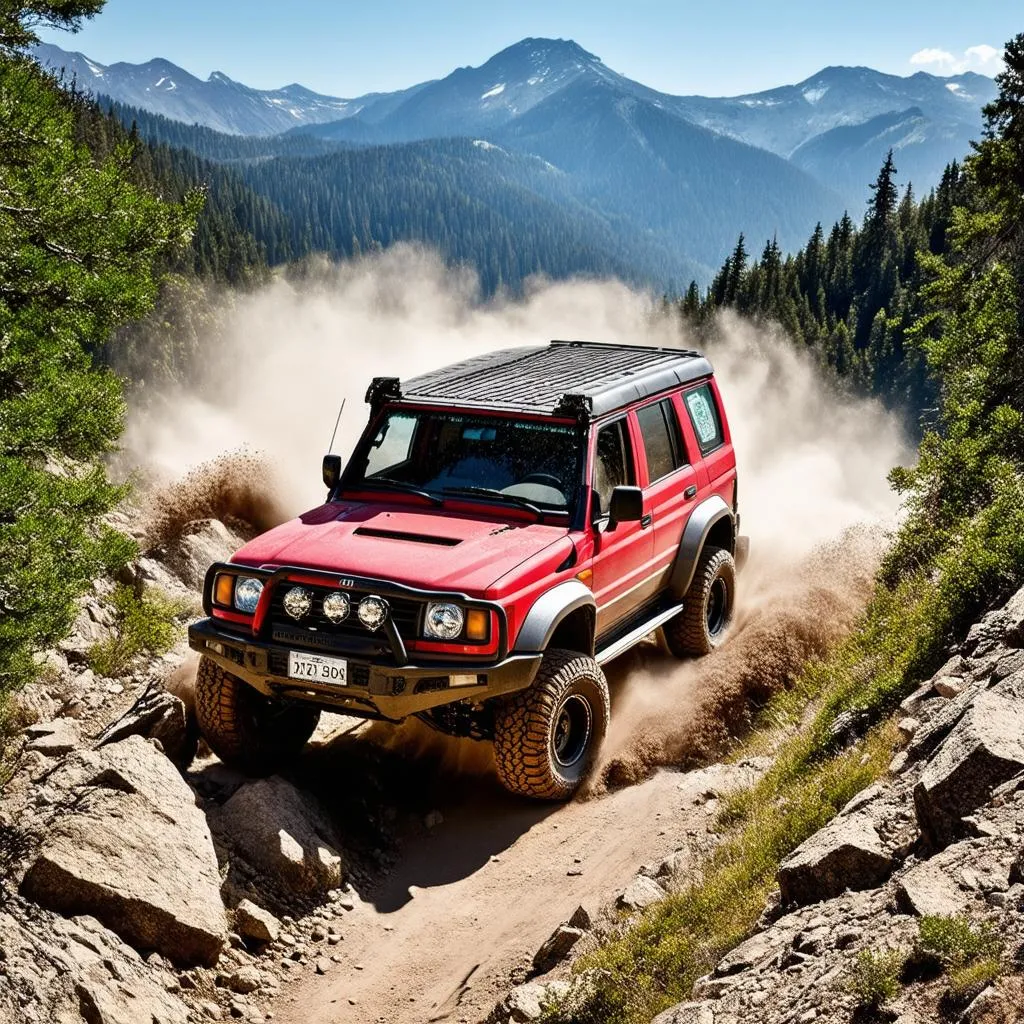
[{"x": 505, "y": 527}]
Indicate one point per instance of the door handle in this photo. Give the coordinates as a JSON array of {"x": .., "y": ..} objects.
[
  {"x": 646, "y": 520},
  {"x": 690, "y": 492}
]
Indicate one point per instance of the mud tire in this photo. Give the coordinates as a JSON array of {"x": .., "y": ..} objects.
[
  {"x": 708, "y": 607},
  {"x": 569, "y": 686},
  {"x": 245, "y": 729}
]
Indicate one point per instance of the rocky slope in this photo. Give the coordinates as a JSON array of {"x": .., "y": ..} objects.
[
  {"x": 941, "y": 836},
  {"x": 139, "y": 882}
]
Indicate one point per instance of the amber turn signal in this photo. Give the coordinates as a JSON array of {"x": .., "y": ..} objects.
[
  {"x": 477, "y": 624},
  {"x": 586, "y": 577},
  {"x": 223, "y": 590}
]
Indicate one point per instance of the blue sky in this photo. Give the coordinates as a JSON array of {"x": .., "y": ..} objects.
[{"x": 678, "y": 46}]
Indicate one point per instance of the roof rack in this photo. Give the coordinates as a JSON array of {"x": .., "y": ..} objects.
[{"x": 581, "y": 379}]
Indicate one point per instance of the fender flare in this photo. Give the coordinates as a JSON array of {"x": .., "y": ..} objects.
[
  {"x": 710, "y": 511},
  {"x": 548, "y": 611}
]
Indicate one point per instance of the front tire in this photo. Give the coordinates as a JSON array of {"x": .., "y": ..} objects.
[
  {"x": 546, "y": 738},
  {"x": 245, "y": 729},
  {"x": 708, "y": 607}
]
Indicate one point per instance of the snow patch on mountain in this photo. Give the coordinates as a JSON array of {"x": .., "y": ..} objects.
[{"x": 496, "y": 91}]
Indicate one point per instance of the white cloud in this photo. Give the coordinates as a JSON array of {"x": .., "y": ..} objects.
[
  {"x": 932, "y": 56},
  {"x": 988, "y": 60}
]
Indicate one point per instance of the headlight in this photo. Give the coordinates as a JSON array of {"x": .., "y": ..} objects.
[
  {"x": 444, "y": 620},
  {"x": 247, "y": 593},
  {"x": 372, "y": 612}
]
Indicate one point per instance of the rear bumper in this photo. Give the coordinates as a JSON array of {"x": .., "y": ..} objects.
[{"x": 374, "y": 690}]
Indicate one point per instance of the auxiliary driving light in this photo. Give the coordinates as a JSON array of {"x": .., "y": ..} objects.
[
  {"x": 337, "y": 607},
  {"x": 372, "y": 612},
  {"x": 297, "y": 602}
]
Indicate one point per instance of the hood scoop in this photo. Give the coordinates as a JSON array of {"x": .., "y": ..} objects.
[{"x": 415, "y": 538}]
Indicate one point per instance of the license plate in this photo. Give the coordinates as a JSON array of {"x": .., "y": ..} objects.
[{"x": 317, "y": 668}]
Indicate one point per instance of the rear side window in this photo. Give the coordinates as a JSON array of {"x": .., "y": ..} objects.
[
  {"x": 613, "y": 464},
  {"x": 660, "y": 430},
  {"x": 700, "y": 404}
]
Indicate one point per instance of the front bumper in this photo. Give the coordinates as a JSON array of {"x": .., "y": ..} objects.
[{"x": 375, "y": 689}]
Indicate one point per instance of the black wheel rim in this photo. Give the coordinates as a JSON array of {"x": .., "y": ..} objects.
[
  {"x": 573, "y": 727},
  {"x": 718, "y": 607}
]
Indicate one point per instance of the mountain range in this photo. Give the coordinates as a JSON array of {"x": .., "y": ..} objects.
[{"x": 683, "y": 174}]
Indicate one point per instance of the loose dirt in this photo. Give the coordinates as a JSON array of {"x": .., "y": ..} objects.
[{"x": 458, "y": 919}]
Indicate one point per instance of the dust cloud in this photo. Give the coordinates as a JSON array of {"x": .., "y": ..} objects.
[{"x": 812, "y": 462}]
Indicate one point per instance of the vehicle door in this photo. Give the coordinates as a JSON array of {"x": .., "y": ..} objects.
[
  {"x": 622, "y": 551},
  {"x": 670, "y": 484},
  {"x": 712, "y": 436}
]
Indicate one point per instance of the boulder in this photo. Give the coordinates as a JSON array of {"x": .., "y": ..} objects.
[
  {"x": 1012, "y": 620},
  {"x": 949, "y": 686},
  {"x": 928, "y": 890},
  {"x": 161, "y": 716},
  {"x": 581, "y": 919},
  {"x": 641, "y": 892},
  {"x": 134, "y": 851},
  {"x": 54, "y": 738},
  {"x": 203, "y": 542},
  {"x": 940, "y": 724},
  {"x": 700, "y": 1012},
  {"x": 845, "y": 854},
  {"x": 255, "y": 923},
  {"x": 985, "y": 749},
  {"x": 556, "y": 948},
  {"x": 527, "y": 1002},
  {"x": 284, "y": 833}
]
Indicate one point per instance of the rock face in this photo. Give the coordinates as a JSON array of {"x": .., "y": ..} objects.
[
  {"x": 985, "y": 749},
  {"x": 135, "y": 852},
  {"x": 527, "y": 1002},
  {"x": 67, "y": 971},
  {"x": 929, "y": 891},
  {"x": 846, "y": 854},
  {"x": 284, "y": 833}
]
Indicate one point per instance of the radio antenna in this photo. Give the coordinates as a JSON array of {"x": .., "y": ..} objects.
[{"x": 336, "y": 422}]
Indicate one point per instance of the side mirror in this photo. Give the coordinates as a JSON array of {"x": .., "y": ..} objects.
[
  {"x": 332, "y": 471},
  {"x": 626, "y": 506}
]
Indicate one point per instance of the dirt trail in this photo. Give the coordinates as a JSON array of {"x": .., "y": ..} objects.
[{"x": 467, "y": 906}]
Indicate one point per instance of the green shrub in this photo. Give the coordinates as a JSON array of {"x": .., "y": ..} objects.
[
  {"x": 149, "y": 624},
  {"x": 957, "y": 943},
  {"x": 875, "y": 977},
  {"x": 967, "y": 982}
]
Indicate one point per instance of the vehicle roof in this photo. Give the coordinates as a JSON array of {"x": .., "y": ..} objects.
[{"x": 573, "y": 378}]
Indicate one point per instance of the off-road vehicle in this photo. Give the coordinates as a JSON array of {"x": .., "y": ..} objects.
[{"x": 504, "y": 527}]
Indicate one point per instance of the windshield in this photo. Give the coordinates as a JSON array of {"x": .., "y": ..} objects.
[{"x": 530, "y": 464}]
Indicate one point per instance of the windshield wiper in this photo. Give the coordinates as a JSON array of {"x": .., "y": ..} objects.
[
  {"x": 398, "y": 485},
  {"x": 501, "y": 496}
]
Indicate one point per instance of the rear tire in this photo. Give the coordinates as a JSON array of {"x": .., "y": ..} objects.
[
  {"x": 708, "y": 607},
  {"x": 546, "y": 738},
  {"x": 245, "y": 729}
]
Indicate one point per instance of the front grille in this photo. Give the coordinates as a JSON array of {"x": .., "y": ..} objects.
[{"x": 316, "y": 632}]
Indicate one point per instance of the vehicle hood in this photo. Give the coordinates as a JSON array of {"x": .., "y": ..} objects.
[{"x": 421, "y": 548}]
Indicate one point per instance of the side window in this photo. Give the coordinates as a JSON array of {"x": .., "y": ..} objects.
[
  {"x": 660, "y": 430},
  {"x": 613, "y": 464},
  {"x": 700, "y": 404}
]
